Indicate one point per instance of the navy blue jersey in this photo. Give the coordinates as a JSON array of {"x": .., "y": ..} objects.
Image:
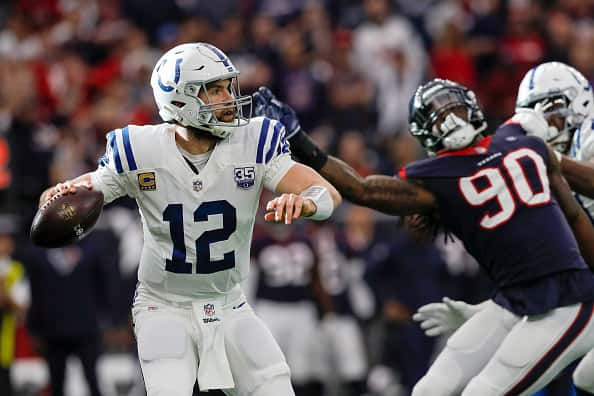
[
  {"x": 495, "y": 196},
  {"x": 285, "y": 268}
]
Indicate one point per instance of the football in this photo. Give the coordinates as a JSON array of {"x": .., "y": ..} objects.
[{"x": 66, "y": 219}]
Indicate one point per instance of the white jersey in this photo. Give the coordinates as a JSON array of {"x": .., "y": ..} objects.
[
  {"x": 197, "y": 226},
  {"x": 582, "y": 149}
]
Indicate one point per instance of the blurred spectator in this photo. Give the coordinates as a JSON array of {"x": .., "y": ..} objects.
[
  {"x": 344, "y": 254},
  {"x": 396, "y": 272},
  {"x": 14, "y": 299},
  {"x": 449, "y": 57},
  {"x": 352, "y": 149},
  {"x": 255, "y": 71},
  {"x": 580, "y": 53},
  {"x": 70, "y": 289},
  {"x": 300, "y": 84},
  {"x": 287, "y": 291},
  {"x": 487, "y": 25},
  {"x": 390, "y": 54},
  {"x": 350, "y": 95},
  {"x": 560, "y": 36}
]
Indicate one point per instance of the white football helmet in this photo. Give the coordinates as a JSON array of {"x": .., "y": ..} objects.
[
  {"x": 180, "y": 75},
  {"x": 565, "y": 91}
]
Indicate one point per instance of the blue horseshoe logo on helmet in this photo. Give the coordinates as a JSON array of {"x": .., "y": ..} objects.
[{"x": 168, "y": 88}]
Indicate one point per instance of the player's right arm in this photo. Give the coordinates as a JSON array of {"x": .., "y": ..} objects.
[
  {"x": 577, "y": 218},
  {"x": 67, "y": 187},
  {"x": 109, "y": 177}
]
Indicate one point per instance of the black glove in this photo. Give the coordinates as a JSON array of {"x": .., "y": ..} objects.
[{"x": 267, "y": 105}]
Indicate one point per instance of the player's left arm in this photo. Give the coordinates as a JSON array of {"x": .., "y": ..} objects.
[
  {"x": 575, "y": 214},
  {"x": 579, "y": 175},
  {"x": 304, "y": 193}
]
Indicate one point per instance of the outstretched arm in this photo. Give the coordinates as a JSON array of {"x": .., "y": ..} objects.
[
  {"x": 383, "y": 193},
  {"x": 575, "y": 214}
]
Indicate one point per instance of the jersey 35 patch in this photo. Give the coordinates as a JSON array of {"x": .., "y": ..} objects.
[{"x": 245, "y": 177}]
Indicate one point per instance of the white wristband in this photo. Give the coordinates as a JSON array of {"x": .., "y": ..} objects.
[{"x": 323, "y": 200}]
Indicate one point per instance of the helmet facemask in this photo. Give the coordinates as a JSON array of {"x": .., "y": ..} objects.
[
  {"x": 206, "y": 118},
  {"x": 445, "y": 116}
]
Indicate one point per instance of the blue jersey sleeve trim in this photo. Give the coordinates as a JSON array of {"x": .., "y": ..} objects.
[
  {"x": 128, "y": 149},
  {"x": 111, "y": 138},
  {"x": 262, "y": 140},
  {"x": 277, "y": 127}
]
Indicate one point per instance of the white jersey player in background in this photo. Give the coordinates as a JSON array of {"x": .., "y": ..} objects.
[
  {"x": 197, "y": 180},
  {"x": 558, "y": 93}
]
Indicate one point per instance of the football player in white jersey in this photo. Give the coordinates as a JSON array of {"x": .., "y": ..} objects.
[
  {"x": 558, "y": 93},
  {"x": 197, "y": 180}
]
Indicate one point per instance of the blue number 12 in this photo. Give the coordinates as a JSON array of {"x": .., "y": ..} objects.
[{"x": 204, "y": 265}]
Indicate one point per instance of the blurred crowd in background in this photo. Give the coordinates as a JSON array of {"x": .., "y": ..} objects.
[{"x": 72, "y": 70}]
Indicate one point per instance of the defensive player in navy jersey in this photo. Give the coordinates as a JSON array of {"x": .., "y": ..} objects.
[
  {"x": 554, "y": 102},
  {"x": 505, "y": 198}
]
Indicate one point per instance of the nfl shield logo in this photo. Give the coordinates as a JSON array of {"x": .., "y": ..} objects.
[
  {"x": 245, "y": 177},
  {"x": 197, "y": 185},
  {"x": 209, "y": 310}
]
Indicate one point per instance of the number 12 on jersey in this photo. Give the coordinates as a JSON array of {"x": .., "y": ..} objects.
[
  {"x": 174, "y": 214},
  {"x": 498, "y": 189}
]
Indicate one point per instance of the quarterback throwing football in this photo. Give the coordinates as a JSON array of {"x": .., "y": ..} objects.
[{"x": 197, "y": 179}]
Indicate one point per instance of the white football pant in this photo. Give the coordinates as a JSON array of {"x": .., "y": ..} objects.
[
  {"x": 168, "y": 348},
  {"x": 497, "y": 353}
]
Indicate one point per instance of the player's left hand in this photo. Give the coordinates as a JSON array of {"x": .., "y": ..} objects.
[
  {"x": 267, "y": 105},
  {"x": 533, "y": 121},
  {"x": 444, "y": 317},
  {"x": 289, "y": 207}
]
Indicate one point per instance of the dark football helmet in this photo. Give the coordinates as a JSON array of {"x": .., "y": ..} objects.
[{"x": 435, "y": 101}]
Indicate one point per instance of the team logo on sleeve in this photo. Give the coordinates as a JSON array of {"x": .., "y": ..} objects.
[
  {"x": 147, "y": 181},
  {"x": 245, "y": 177}
]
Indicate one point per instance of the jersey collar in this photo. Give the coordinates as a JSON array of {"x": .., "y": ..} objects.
[{"x": 479, "y": 148}]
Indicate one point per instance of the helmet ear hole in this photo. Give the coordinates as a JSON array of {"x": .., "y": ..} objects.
[{"x": 178, "y": 104}]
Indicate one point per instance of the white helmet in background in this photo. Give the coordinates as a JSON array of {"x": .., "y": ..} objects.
[
  {"x": 180, "y": 75},
  {"x": 558, "y": 89}
]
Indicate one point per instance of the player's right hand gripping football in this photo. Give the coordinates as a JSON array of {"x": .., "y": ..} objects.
[
  {"x": 289, "y": 207},
  {"x": 65, "y": 188},
  {"x": 444, "y": 317},
  {"x": 267, "y": 105}
]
